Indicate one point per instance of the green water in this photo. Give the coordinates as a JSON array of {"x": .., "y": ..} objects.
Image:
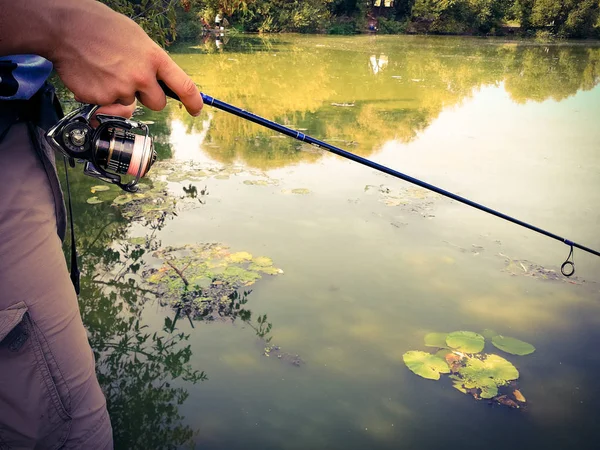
[{"x": 367, "y": 271}]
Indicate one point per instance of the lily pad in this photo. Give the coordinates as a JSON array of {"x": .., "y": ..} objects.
[
  {"x": 263, "y": 261},
  {"x": 127, "y": 198},
  {"x": 256, "y": 182},
  {"x": 239, "y": 257},
  {"x": 436, "y": 340},
  {"x": 465, "y": 341},
  {"x": 425, "y": 364},
  {"x": 520, "y": 397},
  {"x": 487, "y": 374},
  {"x": 512, "y": 345},
  {"x": 488, "y": 334},
  {"x": 99, "y": 188},
  {"x": 93, "y": 200}
]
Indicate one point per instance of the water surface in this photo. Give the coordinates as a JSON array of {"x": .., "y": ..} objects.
[{"x": 371, "y": 264}]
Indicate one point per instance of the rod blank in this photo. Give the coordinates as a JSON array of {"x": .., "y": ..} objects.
[{"x": 373, "y": 165}]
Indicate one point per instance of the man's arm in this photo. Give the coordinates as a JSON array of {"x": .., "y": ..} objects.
[{"x": 101, "y": 56}]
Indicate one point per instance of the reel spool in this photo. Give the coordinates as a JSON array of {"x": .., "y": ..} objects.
[{"x": 116, "y": 147}]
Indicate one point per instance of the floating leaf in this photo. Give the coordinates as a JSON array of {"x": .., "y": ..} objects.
[
  {"x": 458, "y": 385},
  {"x": 126, "y": 198},
  {"x": 436, "y": 340},
  {"x": 239, "y": 257},
  {"x": 263, "y": 261},
  {"x": 465, "y": 341},
  {"x": 487, "y": 374},
  {"x": 137, "y": 240},
  {"x": 93, "y": 200},
  {"x": 520, "y": 397},
  {"x": 504, "y": 400},
  {"x": 512, "y": 345},
  {"x": 425, "y": 364},
  {"x": 442, "y": 353},
  {"x": 488, "y": 334},
  {"x": 300, "y": 191},
  {"x": 99, "y": 188}
]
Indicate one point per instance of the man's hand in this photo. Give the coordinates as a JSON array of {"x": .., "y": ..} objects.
[{"x": 101, "y": 56}]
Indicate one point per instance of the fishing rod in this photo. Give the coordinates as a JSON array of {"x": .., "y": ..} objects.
[{"x": 567, "y": 268}]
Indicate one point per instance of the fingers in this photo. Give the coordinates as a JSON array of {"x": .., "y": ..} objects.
[
  {"x": 181, "y": 84},
  {"x": 118, "y": 110},
  {"x": 153, "y": 97}
]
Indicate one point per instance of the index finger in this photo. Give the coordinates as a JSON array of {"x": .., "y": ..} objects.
[{"x": 182, "y": 85}]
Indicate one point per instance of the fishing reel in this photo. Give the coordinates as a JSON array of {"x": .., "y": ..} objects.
[{"x": 116, "y": 147}]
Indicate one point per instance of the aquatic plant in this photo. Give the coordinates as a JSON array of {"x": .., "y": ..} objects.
[
  {"x": 512, "y": 345},
  {"x": 425, "y": 364},
  {"x": 482, "y": 375}
]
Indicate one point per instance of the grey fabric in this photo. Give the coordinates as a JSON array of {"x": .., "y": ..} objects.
[{"x": 49, "y": 395}]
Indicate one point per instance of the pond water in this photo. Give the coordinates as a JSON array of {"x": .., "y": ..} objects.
[{"x": 370, "y": 263}]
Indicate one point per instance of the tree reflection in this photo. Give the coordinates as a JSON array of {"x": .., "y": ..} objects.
[
  {"x": 329, "y": 90},
  {"x": 137, "y": 370},
  {"x": 142, "y": 373}
]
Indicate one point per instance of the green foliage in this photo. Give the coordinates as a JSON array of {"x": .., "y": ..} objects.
[
  {"x": 465, "y": 341},
  {"x": 164, "y": 20},
  {"x": 157, "y": 17},
  {"x": 391, "y": 26},
  {"x": 425, "y": 364},
  {"x": 437, "y": 340},
  {"x": 481, "y": 375},
  {"x": 456, "y": 16},
  {"x": 512, "y": 345},
  {"x": 486, "y": 374}
]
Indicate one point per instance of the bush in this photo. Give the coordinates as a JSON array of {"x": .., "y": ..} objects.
[
  {"x": 344, "y": 25},
  {"x": 391, "y": 26}
]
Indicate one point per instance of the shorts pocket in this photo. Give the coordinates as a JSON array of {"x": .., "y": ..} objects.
[{"x": 33, "y": 411}]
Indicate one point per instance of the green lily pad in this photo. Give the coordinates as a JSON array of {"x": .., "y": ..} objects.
[
  {"x": 256, "y": 182},
  {"x": 488, "y": 334},
  {"x": 458, "y": 385},
  {"x": 487, "y": 374},
  {"x": 512, "y": 345},
  {"x": 465, "y": 341},
  {"x": 269, "y": 270},
  {"x": 239, "y": 257},
  {"x": 301, "y": 191},
  {"x": 127, "y": 198},
  {"x": 263, "y": 261},
  {"x": 99, "y": 188},
  {"x": 137, "y": 240},
  {"x": 443, "y": 352},
  {"x": 93, "y": 201},
  {"x": 425, "y": 364},
  {"x": 436, "y": 340}
]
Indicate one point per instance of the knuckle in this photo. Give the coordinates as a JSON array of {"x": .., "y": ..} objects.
[
  {"x": 157, "y": 104},
  {"x": 189, "y": 88}
]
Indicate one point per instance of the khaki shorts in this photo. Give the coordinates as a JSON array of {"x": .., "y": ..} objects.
[{"x": 49, "y": 394}]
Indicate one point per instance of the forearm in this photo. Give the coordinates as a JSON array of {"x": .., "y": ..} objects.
[
  {"x": 103, "y": 57},
  {"x": 34, "y": 26}
]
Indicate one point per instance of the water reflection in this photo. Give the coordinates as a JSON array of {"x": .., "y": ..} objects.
[
  {"x": 144, "y": 372},
  {"x": 326, "y": 87},
  {"x": 364, "y": 278}
]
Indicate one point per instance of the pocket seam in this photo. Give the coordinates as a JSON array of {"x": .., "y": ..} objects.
[
  {"x": 45, "y": 349},
  {"x": 42, "y": 366}
]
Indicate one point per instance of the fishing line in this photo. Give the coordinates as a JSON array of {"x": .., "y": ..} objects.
[{"x": 567, "y": 268}]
